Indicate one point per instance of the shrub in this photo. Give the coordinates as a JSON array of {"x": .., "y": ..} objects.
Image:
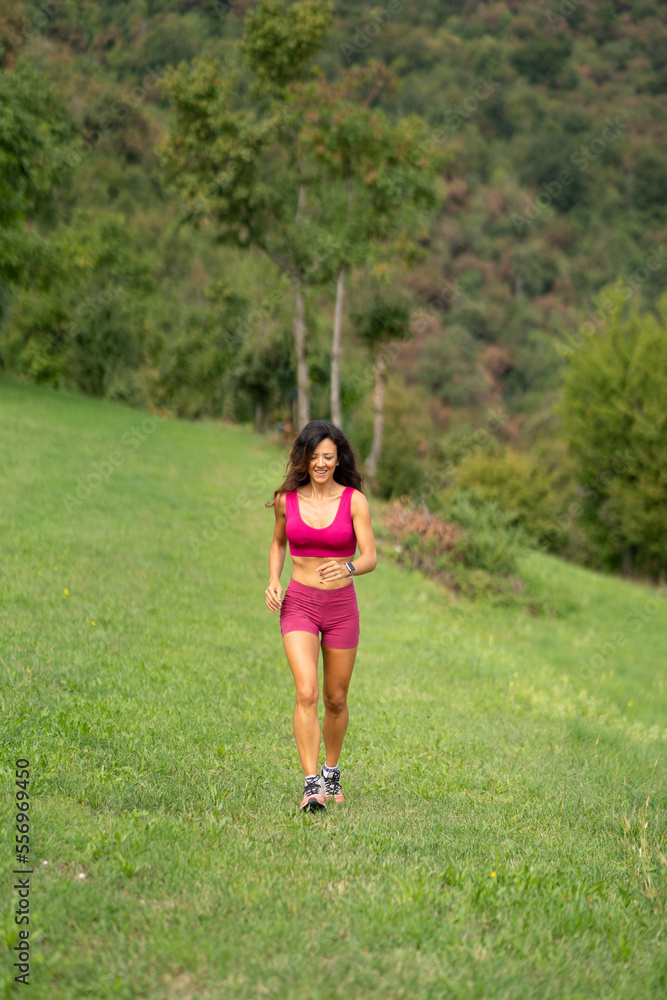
[
  {"x": 493, "y": 539},
  {"x": 518, "y": 485},
  {"x": 474, "y": 546}
]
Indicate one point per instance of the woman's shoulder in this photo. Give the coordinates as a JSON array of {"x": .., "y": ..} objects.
[
  {"x": 358, "y": 498},
  {"x": 280, "y": 501}
]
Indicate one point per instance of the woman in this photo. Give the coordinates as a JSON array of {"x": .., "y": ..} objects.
[{"x": 323, "y": 513}]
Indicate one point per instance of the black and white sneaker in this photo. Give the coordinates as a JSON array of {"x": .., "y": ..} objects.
[
  {"x": 331, "y": 783},
  {"x": 313, "y": 799}
]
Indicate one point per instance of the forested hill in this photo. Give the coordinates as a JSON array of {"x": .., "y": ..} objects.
[{"x": 551, "y": 121}]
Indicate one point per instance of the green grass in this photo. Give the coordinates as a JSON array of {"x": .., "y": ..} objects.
[{"x": 164, "y": 768}]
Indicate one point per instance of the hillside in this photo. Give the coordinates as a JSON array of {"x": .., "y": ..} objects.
[
  {"x": 504, "y": 827},
  {"x": 516, "y": 96}
]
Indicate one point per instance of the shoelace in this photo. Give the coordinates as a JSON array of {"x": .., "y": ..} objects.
[
  {"x": 312, "y": 787},
  {"x": 332, "y": 782}
]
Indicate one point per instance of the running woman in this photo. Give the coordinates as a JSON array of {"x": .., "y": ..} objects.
[{"x": 321, "y": 510}]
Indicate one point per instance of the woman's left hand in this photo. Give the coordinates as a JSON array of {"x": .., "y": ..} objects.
[{"x": 332, "y": 570}]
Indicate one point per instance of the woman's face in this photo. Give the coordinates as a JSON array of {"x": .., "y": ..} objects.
[{"x": 323, "y": 461}]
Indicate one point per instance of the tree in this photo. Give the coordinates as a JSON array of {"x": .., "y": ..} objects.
[
  {"x": 84, "y": 327},
  {"x": 377, "y": 175},
  {"x": 33, "y": 123},
  {"x": 383, "y": 318},
  {"x": 616, "y": 420},
  {"x": 233, "y": 156}
]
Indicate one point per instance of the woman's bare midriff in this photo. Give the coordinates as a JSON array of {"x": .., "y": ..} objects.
[{"x": 305, "y": 571}]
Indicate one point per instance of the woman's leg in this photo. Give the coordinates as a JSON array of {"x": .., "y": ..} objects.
[
  {"x": 338, "y": 666},
  {"x": 302, "y": 650}
]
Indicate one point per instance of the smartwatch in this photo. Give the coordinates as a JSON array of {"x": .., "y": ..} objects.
[{"x": 350, "y": 567}]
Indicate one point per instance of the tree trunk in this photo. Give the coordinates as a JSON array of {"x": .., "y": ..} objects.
[
  {"x": 627, "y": 562},
  {"x": 259, "y": 417},
  {"x": 299, "y": 331},
  {"x": 302, "y": 383},
  {"x": 629, "y": 185},
  {"x": 378, "y": 416},
  {"x": 336, "y": 351}
]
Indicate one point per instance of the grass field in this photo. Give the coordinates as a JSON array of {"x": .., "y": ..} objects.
[{"x": 503, "y": 834}]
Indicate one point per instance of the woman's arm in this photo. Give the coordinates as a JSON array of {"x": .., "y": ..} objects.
[
  {"x": 277, "y": 550},
  {"x": 367, "y": 561},
  {"x": 361, "y": 522}
]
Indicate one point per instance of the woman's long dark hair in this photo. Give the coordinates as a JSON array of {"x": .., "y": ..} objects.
[{"x": 346, "y": 472}]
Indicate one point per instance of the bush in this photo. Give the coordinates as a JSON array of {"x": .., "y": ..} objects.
[
  {"x": 397, "y": 470},
  {"x": 473, "y": 546},
  {"x": 105, "y": 345},
  {"x": 519, "y": 486},
  {"x": 615, "y": 420},
  {"x": 493, "y": 539}
]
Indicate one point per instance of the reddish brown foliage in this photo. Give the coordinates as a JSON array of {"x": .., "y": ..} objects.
[{"x": 403, "y": 520}]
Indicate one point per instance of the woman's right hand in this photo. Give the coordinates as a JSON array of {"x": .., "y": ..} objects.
[{"x": 274, "y": 595}]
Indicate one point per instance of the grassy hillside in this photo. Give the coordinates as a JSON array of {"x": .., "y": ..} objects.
[{"x": 503, "y": 834}]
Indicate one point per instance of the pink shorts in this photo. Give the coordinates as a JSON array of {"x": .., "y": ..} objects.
[{"x": 334, "y": 613}]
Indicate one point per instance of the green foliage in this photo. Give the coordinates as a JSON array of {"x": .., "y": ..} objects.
[
  {"x": 33, "y": 125},
  {"x": 616, "y": 423},
  {"x": 381, "y": 318},
  {"x": 85, "y": 328},
  {"x": 446, "y": 368},
  {"x": 262, "y": 380},
  {"x": 547, "y": 156},
  {"x": 398, "y": 468},
  {"x": 170, "y": 40},
  {"x": 541, "y": 58},
  {"x": 279, "y": 42},
  {"x": 215, "y": 156},
  {"x": 493, "y": 539},
  {"x": 519, "y": 485},
  {"x": 650, "y": 182},
  {"x": 473, "y": 546}
]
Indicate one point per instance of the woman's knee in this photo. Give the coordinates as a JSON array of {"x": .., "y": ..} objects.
[
  {"x": 335, "y": 701},
  {"x": 307, "y": 696}
]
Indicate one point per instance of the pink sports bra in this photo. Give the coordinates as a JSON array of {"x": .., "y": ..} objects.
[{"x": 337, "y": 540}]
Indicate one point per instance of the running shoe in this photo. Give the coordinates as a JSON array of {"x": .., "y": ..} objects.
[
  {"x": 331, "y": 784},
  {"x": 312, "y": 795}
]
